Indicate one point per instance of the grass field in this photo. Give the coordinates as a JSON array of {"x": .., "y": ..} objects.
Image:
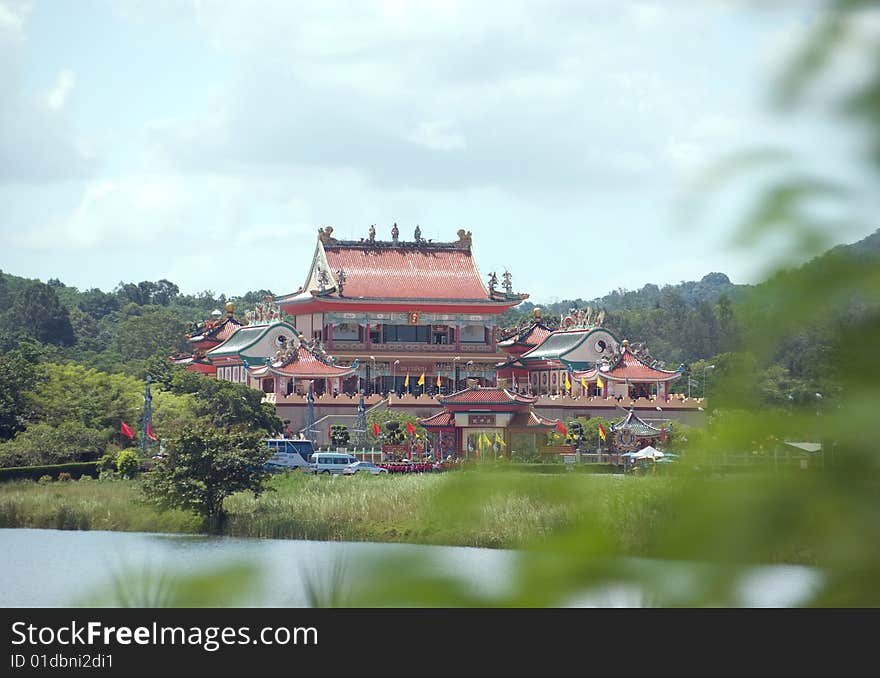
[{"x": 466, "y": 509}]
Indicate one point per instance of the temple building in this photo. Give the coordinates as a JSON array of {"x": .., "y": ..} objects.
[
  {"x": 205, "y": 336},
  {"x": 487, "y": 422},
  {"x": 402, "y": 310},
  {"x": 634, "y": 433},
  {"x": 580, "y": 358},
  {"x": 267, "y": 354}
]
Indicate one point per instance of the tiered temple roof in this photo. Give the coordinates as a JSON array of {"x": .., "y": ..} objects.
[
  {"x": 370, "y": 270},
  {"x": 638, "y": 426},
  {"x": 628, "y": 367},
  {"x": 301, "y": 363},
  {"x": 486, "y": 396}
]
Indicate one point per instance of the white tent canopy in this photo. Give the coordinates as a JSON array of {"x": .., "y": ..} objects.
[{"x": 645, "y": 453}]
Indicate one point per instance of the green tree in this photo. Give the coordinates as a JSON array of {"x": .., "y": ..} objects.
[
  {"x": 203, "y": 467},
  {"x": 43, "y": 443},
  {"x": 18, "y": 375},
  {"x": 339, "y": 435},
  {"x": 38, "y": 313},
  {"x": 144, "y": 336}
]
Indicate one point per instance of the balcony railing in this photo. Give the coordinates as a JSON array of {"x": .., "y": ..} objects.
[{"x": 412, "y": 347}]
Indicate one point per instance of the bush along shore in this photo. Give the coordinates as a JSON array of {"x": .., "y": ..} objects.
[{"x": 462, "y": 509}]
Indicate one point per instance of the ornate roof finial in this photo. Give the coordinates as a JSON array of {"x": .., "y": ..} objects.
[
  {"x": 230, "y": 309},
  {"x": 325, "y": 235},
  {"x": 323, "y": 279},
  {"x": 493, "y": 282},
  {"x": 507, "y": 284},
  {"x": 418, "y": 234},
  {"x": 395, "y": 232},
  {"x": 464, "y": 239},
  {"x": 372, "y": 233},
  {"x": 340, "y": 280}
]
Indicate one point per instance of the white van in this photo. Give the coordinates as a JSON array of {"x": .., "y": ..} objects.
[{"x": 331, "y": 462}]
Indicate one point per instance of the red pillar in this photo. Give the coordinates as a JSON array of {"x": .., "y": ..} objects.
[
  {"x": 494, "y": 337},
  {"x": 330, "y": 335},
  {"x": 367, "y": 337},
  {"x": 458, "y": 337}
]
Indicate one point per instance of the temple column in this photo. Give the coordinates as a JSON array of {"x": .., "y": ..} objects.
[
  {"x": 330, "y": 336},
  {"x": 494, "y": 337},
  {"x": 367, "y": 336},
  {"x": 458, "y": 337}
]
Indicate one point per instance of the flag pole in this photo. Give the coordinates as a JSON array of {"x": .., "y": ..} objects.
[{"x": 148, "y": 415}]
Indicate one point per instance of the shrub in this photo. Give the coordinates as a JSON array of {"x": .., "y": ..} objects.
[
  {"x": 128, "y": 463},
  {"x": 44, "y": 479},
  {"x": 108, "y": 461},
  {"x": 75, "y": 470}
]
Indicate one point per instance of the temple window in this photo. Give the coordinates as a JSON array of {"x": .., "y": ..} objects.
[
  {"x": 268, "y": 385},
  {"x": 473, "y": 334}
]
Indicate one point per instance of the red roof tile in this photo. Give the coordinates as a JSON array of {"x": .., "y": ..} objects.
[
  {"x": 305, "y": 365},
  {"x": 629, "y": 366},
  {"x": 407, "y": 273},
  {"x": 442, "y": 419},
  {"x": 531, "y": 420},
  {"x": 531, "y": 336},
  {"x": 485, "y": 395}
]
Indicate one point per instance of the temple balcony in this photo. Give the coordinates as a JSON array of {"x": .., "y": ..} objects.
[{"x": 410, "y": 347}]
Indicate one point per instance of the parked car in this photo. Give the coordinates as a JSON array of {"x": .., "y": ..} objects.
[
  {"x": 363, "y": 467},
  {"x": 331, "y": 462}
]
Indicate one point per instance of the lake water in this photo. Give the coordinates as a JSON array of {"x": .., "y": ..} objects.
[{"x": 51, "y": 568}]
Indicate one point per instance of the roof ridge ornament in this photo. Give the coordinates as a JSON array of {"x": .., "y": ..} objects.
[{"x": 325, "y": 235}]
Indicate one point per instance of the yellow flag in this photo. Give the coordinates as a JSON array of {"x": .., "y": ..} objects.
[
  {"x": 406, "y": 381},
  {"x": 584, "y": 383},
  {"x": 421, "y": 381},
  {"x": 599, "y": 383},
  {"x": 567, "y": 382},
  {"x": 439, "y": 383},
  {"x": 499, "y": 440},
  {"x": 486, "y": 440}
]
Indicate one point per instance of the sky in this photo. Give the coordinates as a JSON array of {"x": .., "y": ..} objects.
[{"x": 205, "y": 142}]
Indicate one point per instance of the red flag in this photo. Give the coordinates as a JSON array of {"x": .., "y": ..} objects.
[
  {"x": 125, "y": 430},
  {"x": 410, "y": 428},
  {"x": 602, "y": 433},
  {"x": 663, "y": 434},
  {"x": 561, "y": 428},
  {"x": 376, "y": 429},
  {"x": 150, "y": 434}
]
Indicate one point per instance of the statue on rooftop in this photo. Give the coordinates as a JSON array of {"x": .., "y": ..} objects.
[
  {"x": 323, "y": 279},
  {"x": 395, "y": 232},
  {"x": 418, "y": 234},
  {"x": 340, "y": 280},
  {"x": 507, "y": 284},
  {"x": 600, "y": 318},
  {"x": 493, "y": 282},
  {"x": 325, "y": 235},
  {"x": 464, "y": 238},
  {"x": 372, "y": 233}
]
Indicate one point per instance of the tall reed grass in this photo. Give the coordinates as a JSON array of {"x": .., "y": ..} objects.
[{"x": 473, "y": 509}]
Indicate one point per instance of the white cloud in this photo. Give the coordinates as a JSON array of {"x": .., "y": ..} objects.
[
  {"x": 438, "y": 135},
  {"x": 56, "y": 98}
]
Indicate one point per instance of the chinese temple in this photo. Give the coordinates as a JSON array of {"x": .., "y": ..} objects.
[
  {"x": 402, "y": 309},
  {"x": 480, "y": 421},
  {"x": 581, "y": 358}
]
